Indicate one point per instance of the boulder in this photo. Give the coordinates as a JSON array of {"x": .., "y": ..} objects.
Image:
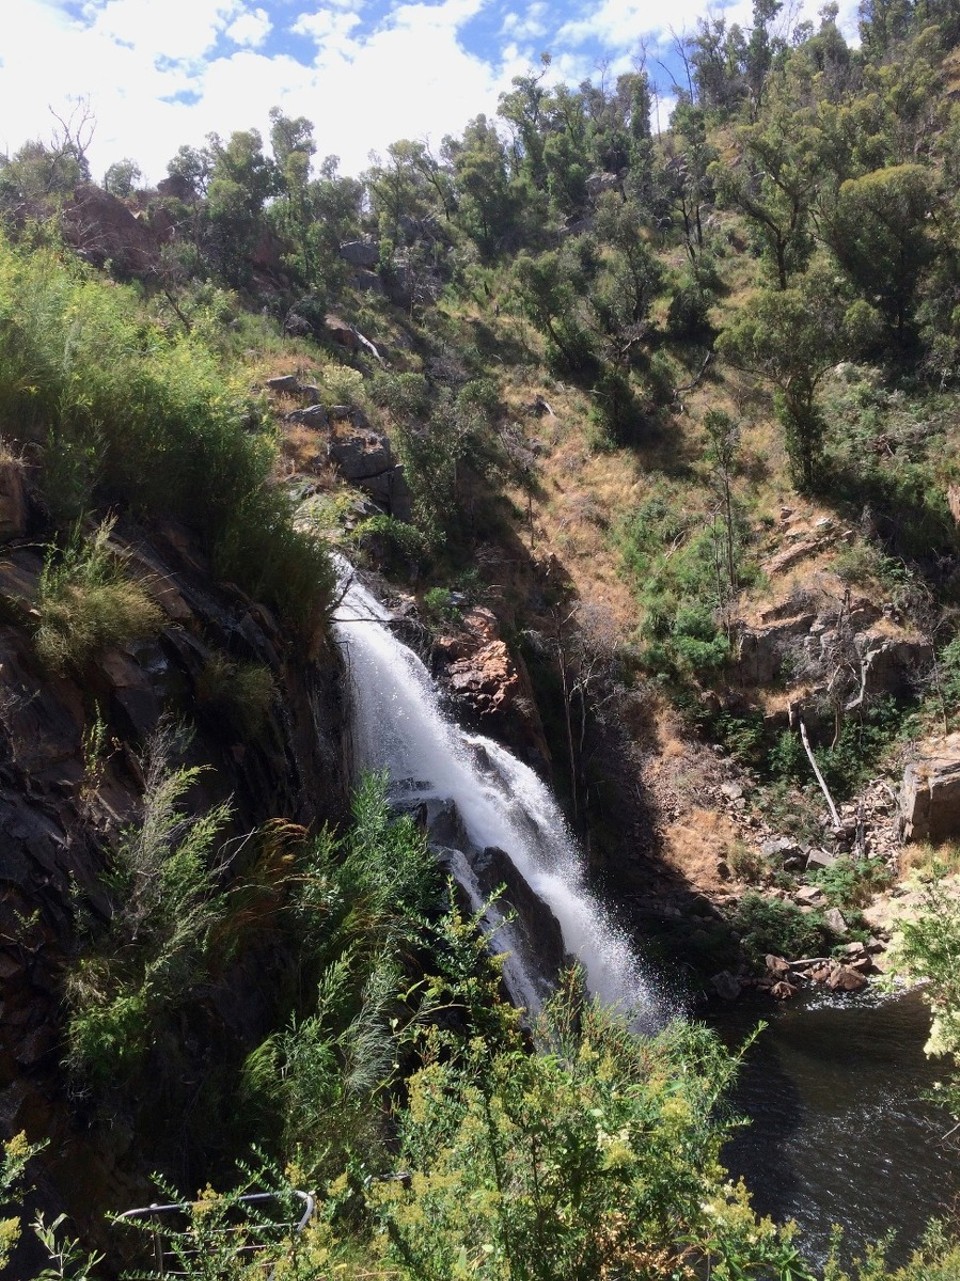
[
  {"x": 842, "y": 978},
  {"x": 726, "y": 985},
  {"x": 349, "y": 414},
  {"x": 364, "y": 457},
  {"x": 817, "y": 858},
  {"x": 361, "y": 455},
  {"x": 930, "y": 793},
  {"x": 311, "y": 416},
  {"x": 289, "y": 383},
  {"x": 367, "y": 282},
  {"x": 759, "y": 651},
  {"x": 361, "y": 253},
  {"x": 888, "y": 665},
  {"x": 539, "y": 929},
  {"x": 780, "y": 849},
  {"x": 101, "y": 228},
  {"x": 487, "y": 679},
  {"x": 833, "y": 918},
  {"x": 341, "y": 333},
  {"x": 783, "y": 991},
  {"x": 598, "y": 183},
  {"x": 810, "y": 896},
  {"x": 490, "y": 687},
  {"x": 482, "y": 623},
  {"x": 801, "y": 549}
]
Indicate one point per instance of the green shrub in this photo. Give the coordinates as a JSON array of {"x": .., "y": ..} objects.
[
  {"x": 15, "y": 1154},
  {"x": 343, "y": 385},
  {"x": 786, "y": 761},
  {"x": 851, "y": 883},
  {"x": 439, "y": 606},
  {"x": 615, "y": 410},
  {"x": 675, "y": 556},
  {"x": 166, "y": 904},
  {"x": 770, "y": 925},
  {"x": 597, "y": 1156},
  {"x": 742, "y": 736},
  {"x": 403, "y": 547},
  {"x": 406, "y": 395},
  {"x": 688, "y": 313},
  {"x": 239, "y": 693},
  {"x": 747, "y": 863},
  {"x": 860, "y": 744},
  {"x": 86, "y": 603},
  {"x": 929, "y": 948}
]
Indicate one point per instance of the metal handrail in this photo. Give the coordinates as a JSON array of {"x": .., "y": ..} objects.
[{"x": 155, "y": 1211}]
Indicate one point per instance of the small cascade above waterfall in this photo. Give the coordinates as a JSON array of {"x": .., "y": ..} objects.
[{"x": 497, "y": 822}]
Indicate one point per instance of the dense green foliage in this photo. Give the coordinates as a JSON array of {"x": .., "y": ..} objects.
[
  {"x": 124, "y": 409},
  {"x": 930, "y": 949}
]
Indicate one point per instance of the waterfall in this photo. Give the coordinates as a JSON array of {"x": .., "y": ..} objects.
[{"x": 399, "y": 727}]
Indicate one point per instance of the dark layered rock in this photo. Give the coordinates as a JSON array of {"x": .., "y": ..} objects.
[
  {"x": 365, "y": 458},
  {"x": 890, "y": 665},
  {"x": 759, "y": 652},
  {"x": 61, "y": 813},
  {"x": 361, "y": 253},
  {"x": 540, "y": 936},
  {"x": 792, "y": 641},
  {"x": 102, "y": 229}
]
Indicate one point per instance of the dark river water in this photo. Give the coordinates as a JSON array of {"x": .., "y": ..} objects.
[{"x": 840, "y": 1133}]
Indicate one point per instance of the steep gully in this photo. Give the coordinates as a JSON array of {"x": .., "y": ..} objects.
[{"x": 835, "y": 1139}]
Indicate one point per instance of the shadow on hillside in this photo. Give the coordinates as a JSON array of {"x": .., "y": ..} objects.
[{"x": 900, "y": 507}]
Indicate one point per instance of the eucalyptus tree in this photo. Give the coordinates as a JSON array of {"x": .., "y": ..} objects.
[
  {"x": 774, "y": 183},
  {"x": 881, "y": 232},
  {"x": 790, "y": 338}
]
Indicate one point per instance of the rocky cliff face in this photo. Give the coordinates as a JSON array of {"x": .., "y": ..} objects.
[
  {"x": 487, "y": 685},
  {"x": 62, "y": 807}
]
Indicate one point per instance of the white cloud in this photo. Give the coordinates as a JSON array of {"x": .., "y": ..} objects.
[
  {"x": 250, "y": 28},
  {"x": 178, "y": 29},
  {"x": 621, "y": 25},
  {"x": 331, "y": 31},
  {"x": 529, "y": 25},
  {"x": 447, "y": 16}
]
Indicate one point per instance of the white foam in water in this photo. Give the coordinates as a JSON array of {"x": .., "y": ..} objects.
[{"x": 399, "y": 727}]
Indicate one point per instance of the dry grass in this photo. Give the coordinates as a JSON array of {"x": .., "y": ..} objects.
[
  {"x": 83, "y": 619},
  {"x": 697, "y": 843},
  {"x": 922, "y": 859},
  {"x": 87, "y": 604}
]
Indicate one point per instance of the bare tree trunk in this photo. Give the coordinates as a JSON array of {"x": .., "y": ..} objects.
[{"x": 820, "y": 779}]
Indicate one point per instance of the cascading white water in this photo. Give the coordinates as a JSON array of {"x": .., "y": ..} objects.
[{"x": 399, "y": 727}]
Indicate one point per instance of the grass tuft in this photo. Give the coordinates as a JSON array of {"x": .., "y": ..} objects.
[{"x": 87, "y": 604}]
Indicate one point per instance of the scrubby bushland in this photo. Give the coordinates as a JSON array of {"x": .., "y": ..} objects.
[{"x": 120, "y": 409}]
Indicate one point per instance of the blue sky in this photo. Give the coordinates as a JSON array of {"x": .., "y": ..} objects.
[{"x": 158, "y": 73}]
